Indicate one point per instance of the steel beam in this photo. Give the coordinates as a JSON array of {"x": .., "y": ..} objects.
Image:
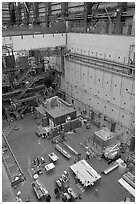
[
  {"x": 18, "y": 13},
  {"x": 122, "y": 6},
  {"x": 85, "y": 17},
  {"x": 47, "y": 13},
  {"x": 35, "y": 12},
  {"x": 64, "y": 9}
]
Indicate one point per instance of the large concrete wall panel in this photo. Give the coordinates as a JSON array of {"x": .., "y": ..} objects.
[
  {"x": 37, "y": 41},
  {"x": 109, "y": 93},
  {"x": 111, "y": 47}
]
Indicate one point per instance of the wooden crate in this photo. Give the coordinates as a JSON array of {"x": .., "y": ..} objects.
[{"x": 104, "y": 141}]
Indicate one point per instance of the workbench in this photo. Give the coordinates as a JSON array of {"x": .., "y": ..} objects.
[
  {"x": 40, "y": 190},
  {"x": 62, "y": 151},
  {"x": 85, "y": 173},
  {"x": 53, "y": 157},
  {"x": 49, "y": 167}
]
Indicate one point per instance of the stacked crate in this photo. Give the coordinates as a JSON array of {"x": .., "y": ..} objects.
[{"x": 103, "y": 138}]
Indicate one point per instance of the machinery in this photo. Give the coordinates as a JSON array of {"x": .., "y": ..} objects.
[
  {"x": 111, "y": 151},
  {"x": 57, "y": 118},
  {"x": 25, "y": 80}
]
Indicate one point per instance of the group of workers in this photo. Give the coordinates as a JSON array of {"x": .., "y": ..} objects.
[{"x": 88, "y": 155}]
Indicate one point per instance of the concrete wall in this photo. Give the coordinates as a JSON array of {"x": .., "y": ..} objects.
[
  {"x": 111, "y": 47},
  {"x": 38, "y": 41},
  {"x": 109, "y": 93}
]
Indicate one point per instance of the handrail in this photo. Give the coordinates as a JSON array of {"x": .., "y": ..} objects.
[
  {"x": 12, "y": 153},
  {"x": 102, "y": 62}
]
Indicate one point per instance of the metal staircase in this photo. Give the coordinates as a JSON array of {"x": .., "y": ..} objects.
[
  {"x": 24, "y": 90},
  {"x": 30, "y": 98},
  {"x": 24, "y": 74},
  {"x": 25, "y": 107},
  {"x": 18, "y": 113}
]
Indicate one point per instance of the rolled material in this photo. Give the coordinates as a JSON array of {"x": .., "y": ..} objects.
[
  {"x": 129, "y": 181},
  {"x": 122, "y": 168}
]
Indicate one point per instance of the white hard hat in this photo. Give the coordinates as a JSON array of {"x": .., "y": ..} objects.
[{"x": 18, "y": 193}]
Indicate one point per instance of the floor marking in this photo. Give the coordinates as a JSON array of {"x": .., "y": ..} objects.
[{"x": 29, "y": 173}]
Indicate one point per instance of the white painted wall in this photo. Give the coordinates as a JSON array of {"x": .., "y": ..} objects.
[
  {"x": 28, "y": 42},
  {"x": 111, "y": 47},
  {"x": 110, "y": 94}
]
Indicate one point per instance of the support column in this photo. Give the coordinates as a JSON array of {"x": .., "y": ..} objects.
[
  {"x": 122, "y": 6},
  {"x": 64, "y": 12},
  {"x": 18, "y": 13},
  {"x": 87, "y": 10},
  {"x": 47, "y": 13},
  {"x": 85, "y": 17},
  {"x": 35, "y": 12},
  {"x": 64, "y": 9}
]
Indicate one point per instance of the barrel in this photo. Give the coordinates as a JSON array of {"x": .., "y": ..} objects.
[{"x": 122, "y": 168}]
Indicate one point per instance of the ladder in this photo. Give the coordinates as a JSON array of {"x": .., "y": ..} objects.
[{"x": 24, "y": 91}]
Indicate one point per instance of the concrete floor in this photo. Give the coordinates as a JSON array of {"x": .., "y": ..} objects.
[{"x": 25, "y": 144}]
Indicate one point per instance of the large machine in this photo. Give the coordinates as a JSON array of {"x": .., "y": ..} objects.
[
  {"x": 57, "y": 117},
  {"x": 26, "y": 78}
]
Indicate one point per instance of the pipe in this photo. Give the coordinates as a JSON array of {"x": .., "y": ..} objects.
[
  {"x": 64, "y": 102},
  {"x": 115, "y": 71},
  {"x": 79, "y": 57},
  {"x": 100, "y": 60}
]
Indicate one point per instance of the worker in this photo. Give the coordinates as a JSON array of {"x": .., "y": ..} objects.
[
  {"x": 57, "y": 193},
  {"x": 38, "y": 162},
  {"x": 62, "y": 135},
  {"x": 75, "y": 160},
  {"x": 18, "y": 198},
  {"x": 48, "y": 198},
  {"x": 64, "y": 198},
  {"x": 79, "y": 156},
  {"x": 19, "y": 193},
  {"x": 76, "y": 179},
  {"x": 34, "y": 162},
  {"x": 66, "y": 173},
  {"x": 87, "y": 155},
  {"x": 28, "y": 199},
  {"x": 127, "y": 199},
  {"x": 56, "y": 190}
]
